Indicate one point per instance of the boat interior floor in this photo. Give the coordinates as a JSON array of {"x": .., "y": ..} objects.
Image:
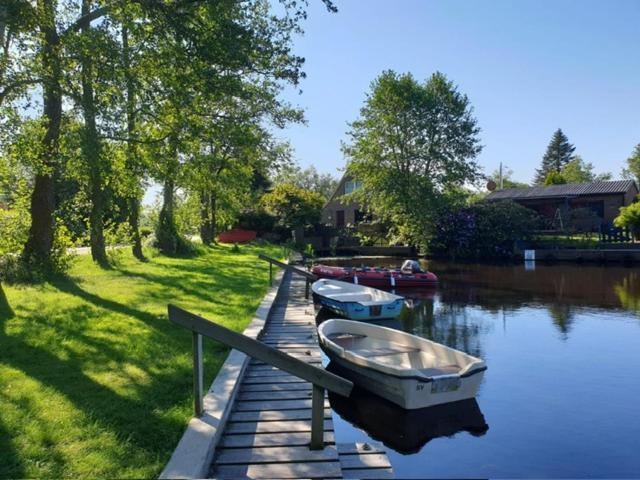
[{"x": 392, "y": 354}]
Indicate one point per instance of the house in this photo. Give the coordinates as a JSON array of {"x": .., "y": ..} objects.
[
  {"x": 338, "y": 212},
  {"x": 602, "y": 198}
]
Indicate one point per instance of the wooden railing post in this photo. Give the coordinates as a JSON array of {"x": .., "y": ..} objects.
[
  {"x": 198, "y": 374},
  {"x": 270, "y": 273},
  {"x": 306, "y": 289},
  {"x": 317, "y": 418}
]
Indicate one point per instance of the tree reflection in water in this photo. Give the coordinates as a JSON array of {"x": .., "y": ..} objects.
[
  {"x": 628, "y": 292},
  {"x": 450, "y": 324}
]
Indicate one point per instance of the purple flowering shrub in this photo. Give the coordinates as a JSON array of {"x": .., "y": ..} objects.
[{"x": 482, "y": 230}]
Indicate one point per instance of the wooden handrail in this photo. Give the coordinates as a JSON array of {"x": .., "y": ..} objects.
[
  {"x": 310, "y": 277},
  {"x": 320, "y": 378}
]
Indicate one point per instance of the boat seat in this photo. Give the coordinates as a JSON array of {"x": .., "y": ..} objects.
[
  {"x": 381, "y": 352},
  {"x": 345, "y": 340},
  {"x": 442, "y": 370}
]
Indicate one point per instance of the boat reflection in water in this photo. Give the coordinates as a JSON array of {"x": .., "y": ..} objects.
[{"x": 406, "y": 431}]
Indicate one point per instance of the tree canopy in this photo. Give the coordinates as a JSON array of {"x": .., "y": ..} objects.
[
  {"x": 294, "y": 206},
  {"x": 559, "y": 153},
  {"x": 413, "y": 143},
  {"x": 102, "y": 97},
  {"x": 633, "y": 165},
  {"x": 579, "y": 171}
]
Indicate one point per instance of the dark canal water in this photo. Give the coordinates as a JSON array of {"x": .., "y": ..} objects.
[{"x": 561, "y": 397}]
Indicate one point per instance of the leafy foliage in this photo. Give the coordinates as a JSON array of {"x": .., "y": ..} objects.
[
  {"x": 633, "y": 165},
  {"x": 308, "y": 178},
  {"x": 579, "y": 171},
  {"x": 485, "y": 230},
  {"x": 559, "y": 153},
  {"x": 507, "y": 179},
  {"x": 412, "y": 144},
  {"x": 555, "y": 178},
  {"x": 629, "y": 217},
  {"x": 293, "y": 206}
]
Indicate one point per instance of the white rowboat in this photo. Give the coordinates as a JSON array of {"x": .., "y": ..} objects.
[
  {"x": 408, "y": 370},
  {"x": 356, "y": 301}
]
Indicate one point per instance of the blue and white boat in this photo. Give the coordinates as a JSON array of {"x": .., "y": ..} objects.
[{"x": 356, "y": 302}]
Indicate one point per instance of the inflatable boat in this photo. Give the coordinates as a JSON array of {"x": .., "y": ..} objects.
[{"x": 409, "y": 275}]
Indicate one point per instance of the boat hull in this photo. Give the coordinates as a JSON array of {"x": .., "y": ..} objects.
[
  {"x": 407, "y": 392},
  {"x": 357, "y": 311},
  {"x": 377, "y": 278}
]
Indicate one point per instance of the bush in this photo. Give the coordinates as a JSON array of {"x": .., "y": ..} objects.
[
  {"x": 293, "y": 206},
  {"x": 629, "y": 217},
  {"x": 258, "y": 220},
  {"x": 485, "y": 230}
]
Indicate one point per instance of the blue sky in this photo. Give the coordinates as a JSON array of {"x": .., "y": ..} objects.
[{"x": 528, "y": 68}]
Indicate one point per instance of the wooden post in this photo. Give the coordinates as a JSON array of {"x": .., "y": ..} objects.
[
  {"x": 270, "y": 273},
  {"x": 306, "y": 289},
  {"x": 198, "y": 377},
  {"x": 317, "y": 418}
]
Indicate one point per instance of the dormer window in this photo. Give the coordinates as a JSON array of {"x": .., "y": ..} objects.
[{"x": 351, "y": 186}]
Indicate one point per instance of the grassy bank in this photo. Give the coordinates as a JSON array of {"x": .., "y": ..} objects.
[{"x": 94, "y": 380}]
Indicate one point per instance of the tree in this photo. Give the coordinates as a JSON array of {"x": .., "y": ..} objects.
[
  {"x": 412, "y": 144},
  {"x": 507, "y": 179},
  {"x": 293, "y": 206},
  {"x": 579, "y": 171},
  {"x": 308, "y": 178},
  {"x": 633, "y": 165},
  {"x": 559, "y": 153},
  {"x": 629, "y": 217},
  {"x": 555, "y": 178}
]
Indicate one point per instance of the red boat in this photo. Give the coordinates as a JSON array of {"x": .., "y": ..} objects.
[{"x": 407, "y": 276}]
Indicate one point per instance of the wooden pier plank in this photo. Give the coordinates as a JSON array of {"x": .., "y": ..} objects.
[
  {"x": 268, "y": 432},
  {"x": 270, "y": 439}
]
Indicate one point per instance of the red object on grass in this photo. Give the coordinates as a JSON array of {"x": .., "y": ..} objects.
[{"x": 237, "y": 235}]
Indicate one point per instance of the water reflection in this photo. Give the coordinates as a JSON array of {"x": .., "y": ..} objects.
[
  {"x": 562, "y": 289},
  {"x": 450, "y": 324},
  {"x": 546, "y": 334},
  {"x": 406, "y": 431}
]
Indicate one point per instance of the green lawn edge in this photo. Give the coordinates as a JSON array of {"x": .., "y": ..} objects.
[{"x": 94, "y": 379}]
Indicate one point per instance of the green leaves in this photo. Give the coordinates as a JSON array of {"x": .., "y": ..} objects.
[
  {"x": 629, "y": 217},
  {"x": 412, "y": 143},
  {"x": 293, "y": 206},
  {"x": 559, "y": 153}
]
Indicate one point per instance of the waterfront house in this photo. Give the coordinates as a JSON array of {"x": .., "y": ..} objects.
[
  {"x": 339, "y": 212},
  {"x": 602, "y": 198}
]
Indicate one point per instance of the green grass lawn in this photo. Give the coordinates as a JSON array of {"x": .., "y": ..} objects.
[{"x": 94, "y": 380}]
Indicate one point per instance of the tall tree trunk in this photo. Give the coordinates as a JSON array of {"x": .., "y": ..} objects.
[
  {"x": 40, "y": 240},
  {"x": 166, "y": 233},
  {"x": 206, "y": 233},
  {"x": 91, "y": 151},
  {"x": 133, "y": 165},
  {"x": 213, "y": 217},
  {"x": 169, "y": 241}
]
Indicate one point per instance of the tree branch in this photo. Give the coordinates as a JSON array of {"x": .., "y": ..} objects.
[
  {"x": 86, "y": 19},
  {"x": 17, "y": 84}
]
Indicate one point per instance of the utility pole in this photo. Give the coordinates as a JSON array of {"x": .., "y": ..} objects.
[{"x": 501, "y": 183}]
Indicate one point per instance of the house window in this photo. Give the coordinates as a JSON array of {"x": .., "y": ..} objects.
[
  {"x": 351, "y": 186},
  {"x": 340, "y": 218}
]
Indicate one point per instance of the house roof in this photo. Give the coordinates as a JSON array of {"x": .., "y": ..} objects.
[{"x": 567, "y": 190}]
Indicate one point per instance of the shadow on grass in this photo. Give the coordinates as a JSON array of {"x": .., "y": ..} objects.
[
  {"x": 6, "y": 311},
  {"x": 10, "y": 464},
  {"x": 68, "y": 285}
]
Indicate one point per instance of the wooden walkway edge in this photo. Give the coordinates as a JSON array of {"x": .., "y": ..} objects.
[{"x": 268, "y": 429}]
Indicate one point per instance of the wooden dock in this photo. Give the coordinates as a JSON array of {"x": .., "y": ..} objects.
[{"x": 268, "y": 432}]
